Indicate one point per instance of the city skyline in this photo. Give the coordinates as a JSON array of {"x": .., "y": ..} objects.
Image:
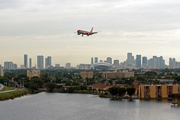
[
  {"x": 44, "y": 27},
  {"x": 142, "y": 61}
]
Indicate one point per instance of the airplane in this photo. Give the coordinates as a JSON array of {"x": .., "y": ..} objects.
[{"x": 86, "y": 32}]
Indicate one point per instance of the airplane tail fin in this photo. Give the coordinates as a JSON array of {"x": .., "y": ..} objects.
[{"x": 91, "y": 30}]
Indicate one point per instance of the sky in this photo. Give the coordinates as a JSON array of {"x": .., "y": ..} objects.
[{"x": 47, "y": 27}]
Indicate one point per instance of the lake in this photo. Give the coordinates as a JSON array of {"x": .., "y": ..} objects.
[{"x": 64, "y": 106}]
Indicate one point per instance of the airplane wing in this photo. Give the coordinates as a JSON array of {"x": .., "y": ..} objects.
[{"x": 94, "y": 32}]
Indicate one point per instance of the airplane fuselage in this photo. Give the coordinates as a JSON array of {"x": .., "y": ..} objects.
[{"x": 79, "y": 32}]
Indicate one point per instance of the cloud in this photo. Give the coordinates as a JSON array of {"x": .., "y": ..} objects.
[{"x": 38, "y": 26}]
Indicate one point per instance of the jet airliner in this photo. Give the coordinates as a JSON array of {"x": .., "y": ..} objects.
[{"x": 79, "y": 32}]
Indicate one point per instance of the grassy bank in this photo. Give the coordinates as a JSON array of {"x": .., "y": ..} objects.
[
  {"x": 4, "y": 89},
  {"x": 176, "y": 103},
  {"x": 12, "y": 95}
]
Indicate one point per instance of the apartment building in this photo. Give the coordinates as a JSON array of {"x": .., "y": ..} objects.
[
  {"x": 109, "y": 75},
  {"x": 32, "y": 73},
  {"x": 155, "y": 91},
  {"x": 85, "y": 75}
]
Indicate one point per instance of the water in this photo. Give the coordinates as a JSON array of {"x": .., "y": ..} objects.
[{"x": 60, "y": 106}]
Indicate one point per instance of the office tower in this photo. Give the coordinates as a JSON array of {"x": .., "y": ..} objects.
[
  {"x": 132, "y": 61},
  {"x": 10, "y": 65},
  {"x": 68, "y": 65},
  {"x": 1, "y": 67},
  {"x": 48, "y": 61},
  {"x": 116, "y": 63},
  {"x": 129, "y": 58},
  {"x": 144, "y": 61},
  {"x": 30, "y": 63},
  {"x": 25, "y": 60},
  {"x": 155, "y": 57},
  {"x": 138, "y": 61},
  {"x": 91, "y": 60},
  {"x": 96, "y": 59},
  {"x": 109, "y": 60},
  {"x": 40, "y": 61},
  {"x": 172, "y": 62},
  {"x": 57, "y": 65},
  {"x": 160, "y": 62}
]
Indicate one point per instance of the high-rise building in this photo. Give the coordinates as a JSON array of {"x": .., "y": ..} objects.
[
  {"x": 25, "y": 60},
  {"x": 152, "y": 63},
  {"x": 48, "y": 61},
  {"x": 40, "y": 61},
  {"x": 10, "y": 65},
  {"x": 91, "y": 60},
  {"x": 116, "y": 63},
  {"x": 30, "y": 63},
  {"x": 172, "y": 62},
  {"x": 57, "y": 65},
  {"x": 68, "y": 65},
  {"x": 109, "y": 60},
  {"x": 96, "y": 59},
  {"x": 138, "y": 61},
  {"x": 156, "y": 62},
  {"x": 144, "y": 61},
  {"x": 129, "y": 58},
  {"x": 1, "y": 67}
]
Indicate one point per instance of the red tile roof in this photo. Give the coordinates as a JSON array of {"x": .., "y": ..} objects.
[{"x": 109, "y": 86}]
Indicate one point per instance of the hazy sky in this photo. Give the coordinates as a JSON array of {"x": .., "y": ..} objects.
[{"x": 46, "y": 27}]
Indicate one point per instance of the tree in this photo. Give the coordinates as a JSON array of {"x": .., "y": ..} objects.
[
  {"x": 50, "y": 86},
  {"x": 121, "y": 91},
  {"x": 75, "y": 83},
  {"x": 33, "y": 87},
  {"x": 110, "y": 81},
  {"x": 68, "y": 82},
  {"x": 113, "y": 90},
  {"x": 131, "y": 91},
  {"x": 38, "y": 81},
  {"x": 83, "y": 87}
]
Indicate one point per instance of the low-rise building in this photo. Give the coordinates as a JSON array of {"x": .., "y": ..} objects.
[
  {"x": 109, "y": 75},
  {"x": 85, "y": 75},
  {"x": 1, "y": 72},
  {"x": 156, "y": 91},
  {"x": 32, "y": 73}
]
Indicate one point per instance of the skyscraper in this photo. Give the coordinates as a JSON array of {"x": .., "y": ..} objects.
[
  {"x": 68, "y": 65},
  {"x": 40, "y": 61},
  {"x": 10, "y": 65},
  {"x": 25, "y": 60},
  {"x": 96, "y": 59},
  {"x": 138, "y": 61},
  {"x": 30, "y": 64},
  {"x": 144, "y": 61},
  {"x": 172, "y": 62},
  {"x": 48, "y": 61},
  {"x": 91, "y": 60},
  {"x": 129, "y": 57},
  {"x": 116, "y": 63},
  {"x": 109, "y": 60}
]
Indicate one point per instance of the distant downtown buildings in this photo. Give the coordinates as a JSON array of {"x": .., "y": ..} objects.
[
  {"x": 131, "y": 62},
  {"x": 139, "y": 62}
]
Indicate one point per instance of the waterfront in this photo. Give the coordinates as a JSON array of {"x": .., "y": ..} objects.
[{"x": 59, "y": 106}]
